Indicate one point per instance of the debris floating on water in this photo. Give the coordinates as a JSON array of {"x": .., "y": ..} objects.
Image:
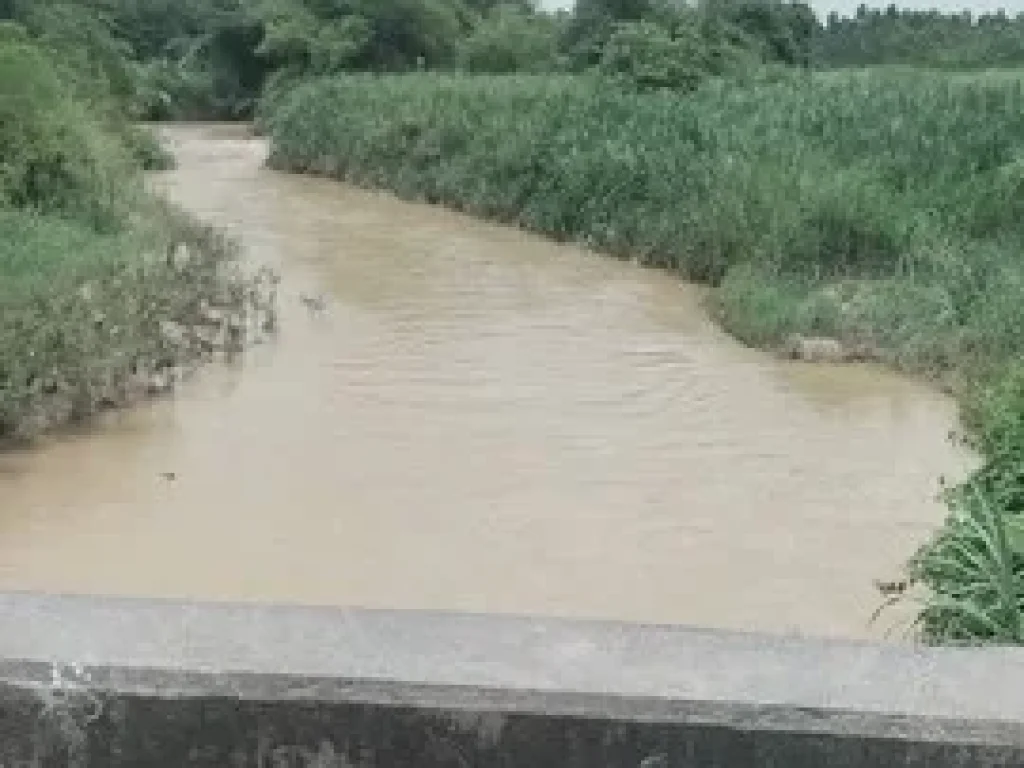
[
  {"x": 891, "y": 588},
  {"x": 315, "y": 304}
]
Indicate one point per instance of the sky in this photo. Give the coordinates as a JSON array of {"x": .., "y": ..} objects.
[{"x": 847, "y": 7}]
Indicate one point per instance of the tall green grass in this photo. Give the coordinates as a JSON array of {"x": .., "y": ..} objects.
[{"x": 885, "y": 209}]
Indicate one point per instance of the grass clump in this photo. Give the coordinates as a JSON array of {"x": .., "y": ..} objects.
[
  {"x": 879, "y": 209},
  {"x": 973, "y": 568}
]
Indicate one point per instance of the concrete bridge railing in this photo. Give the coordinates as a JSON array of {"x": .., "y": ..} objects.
[{"x": 111, "y": 683}]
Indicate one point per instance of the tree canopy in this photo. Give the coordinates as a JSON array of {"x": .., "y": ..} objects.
[{"x": 212, "y": 58}]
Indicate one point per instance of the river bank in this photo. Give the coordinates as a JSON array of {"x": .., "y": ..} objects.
[{"x": 107, "y": 293}]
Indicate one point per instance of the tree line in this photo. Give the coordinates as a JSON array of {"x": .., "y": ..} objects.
[
  {"x": 875, "y": 36},
  {"x": 213, "y": 58}
]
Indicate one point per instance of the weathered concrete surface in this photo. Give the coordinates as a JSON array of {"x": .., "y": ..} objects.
[{"x": 176, "y": 684}]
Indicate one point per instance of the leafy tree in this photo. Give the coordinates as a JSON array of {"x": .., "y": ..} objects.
[
  {"x": 511, "y": 38},
  {"x": 646, "y": 55},
  {"x": 593, "y": 23},
  {"x": 90, "y": 55},
  {"x": 784, "y": 31},
  {"x": 405, "y": 34},
  {"x": 322, "y": 36}
]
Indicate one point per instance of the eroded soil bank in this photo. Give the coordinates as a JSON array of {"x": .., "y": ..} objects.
[{"x": 478, "y": 419}]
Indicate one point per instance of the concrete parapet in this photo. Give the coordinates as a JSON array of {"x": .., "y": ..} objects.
[{"x": 121, "y": 682}]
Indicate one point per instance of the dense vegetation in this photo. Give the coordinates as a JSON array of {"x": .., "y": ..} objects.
[
  {"x": 883, "y": 207},
  {"x": 103, "y": 289}
]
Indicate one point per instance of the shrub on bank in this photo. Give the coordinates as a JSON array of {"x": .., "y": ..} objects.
[
  {"x": 56, "y": 156},
  {"x": 91, "y": 321},
  {"x": 880, "y": 209}
]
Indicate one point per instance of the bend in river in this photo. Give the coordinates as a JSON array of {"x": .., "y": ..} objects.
[{"x": 481, "y": 420}]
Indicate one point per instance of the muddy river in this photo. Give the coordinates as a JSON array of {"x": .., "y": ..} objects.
[{"x": 481, "y": 420}]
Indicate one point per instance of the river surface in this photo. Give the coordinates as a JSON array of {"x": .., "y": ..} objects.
[{"x": 481, "y": 420}]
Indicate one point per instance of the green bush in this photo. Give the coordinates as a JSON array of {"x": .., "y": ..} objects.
[
  {"x": 509, "y": 39},
  {"x": 56, "y": 156},
  {"x": 996, "y": 410},
  {"x": 646, "y": 55},
  {"x": 95, "y": 64}
]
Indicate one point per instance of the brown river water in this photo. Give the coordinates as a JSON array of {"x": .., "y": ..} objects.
[{"x": 481, "y": 420}]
